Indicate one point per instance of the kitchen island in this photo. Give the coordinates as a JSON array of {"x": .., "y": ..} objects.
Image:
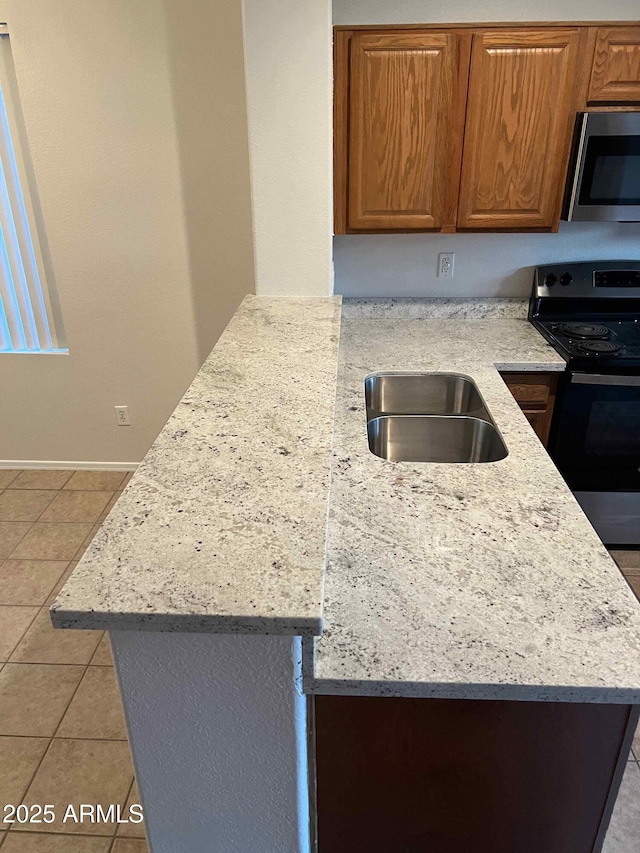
[{"x": 262, "y": 554}]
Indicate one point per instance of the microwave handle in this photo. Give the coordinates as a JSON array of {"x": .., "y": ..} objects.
[
  {"x": 578, "y": 164},
  {"x": 602, "y": 379}
]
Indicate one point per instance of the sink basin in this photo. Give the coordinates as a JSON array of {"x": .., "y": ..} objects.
[
  {"x": 422, "y": 394},
  {"x": 435, "y": 438}
]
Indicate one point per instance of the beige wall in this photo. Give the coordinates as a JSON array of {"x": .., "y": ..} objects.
[{"x": 136, "y": 157}]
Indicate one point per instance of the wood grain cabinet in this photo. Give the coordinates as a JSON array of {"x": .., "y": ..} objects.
[
  {"x": 520, "y": 116},
  {"x": 615, "y": 75},
  {"x": 405, "y": 106},
  {"x": 468, "y": 128},
  {"x": 535, "y": 393}
]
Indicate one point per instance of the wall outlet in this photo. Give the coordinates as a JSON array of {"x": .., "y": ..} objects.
[
  {"x": 122, "y": 415},
  {"x": 446, "y": 261}
]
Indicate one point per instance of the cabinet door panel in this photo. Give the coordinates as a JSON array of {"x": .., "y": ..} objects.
[
  {"x": 615, "y": 78},
  {"x": 520, "y": 115},
  {"x": 404, "y": 101}
]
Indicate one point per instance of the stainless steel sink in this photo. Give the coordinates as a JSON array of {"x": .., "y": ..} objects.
[
  {"x": 390, "y": 393},
  {"x": 435, "y": 438}
]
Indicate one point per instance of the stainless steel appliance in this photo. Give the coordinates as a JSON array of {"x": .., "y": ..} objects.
[
  {"x": 590, "y": 313},
  {"x": 604, "y": 181}
]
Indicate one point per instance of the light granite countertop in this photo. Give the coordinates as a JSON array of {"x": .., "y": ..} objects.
[
  {"x": 222, "y": 528},
  {"x": 480, "y": 581},
  {"x": 469, "y": 581}
]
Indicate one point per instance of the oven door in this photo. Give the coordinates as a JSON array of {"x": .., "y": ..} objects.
[
  {"x": 596, "y": 435},
  {"x": 606, "y": 177}
]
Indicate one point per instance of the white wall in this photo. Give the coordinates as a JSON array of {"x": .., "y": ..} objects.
[
  {"x": 117, "y": 165},
  {"x": 465, "y": 11},
  {"x": 217, "y": 725},
  {"x": 486, "y": 264},
  {"x": 288, "y": 70}
]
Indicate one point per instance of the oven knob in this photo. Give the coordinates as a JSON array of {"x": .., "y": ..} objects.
[
  {"x": 550, "y": 280},
  {"x": 566, "y": 279}
]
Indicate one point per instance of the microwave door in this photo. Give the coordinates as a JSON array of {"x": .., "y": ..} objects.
[{"x": 606, "y": 177}]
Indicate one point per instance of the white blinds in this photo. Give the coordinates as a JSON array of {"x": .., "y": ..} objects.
[{"x": 29, "y": 314}]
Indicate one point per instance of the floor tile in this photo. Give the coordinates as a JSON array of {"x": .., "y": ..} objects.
[
  {"x": 29, "y": 581},
  {"x": 7, "y": 476},
  {"x": 14, "y": 621},
  {"x": 43, "y": 643},
  {"x": 132, "y": 830},
  {"x": 24, "y": 504},
  {"x": 19, "y": 759},
  {"x": 127, "y": 480},
  {"x": 41, "y": 479},
  {"x": 96, "y": 480},
  {"x": 129, "y": 845},
  {"x": 634, "y": 583},
  {"x": 31, "y": 842},
  {"x": 623, "y": 835},
  {"x": 11, "y": 533},
  {"x": 109, "y": 506},
  {"x": 82, "y": 771},
  {"x": 65, "y": 577},
  {"x": 86, "y": 542},
  {"x": 103, "y": 656},
  {"x": 76, "y": 506},
  {"x": 33, "y": 699},
  {"x": 51, "y": 541},
  {"x": 627, "y": 559},
  {"x": 95, "y": 711}
]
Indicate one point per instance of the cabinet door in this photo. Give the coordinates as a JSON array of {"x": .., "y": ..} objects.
[
  {"x": 405, "y": 107},
  {"x": 615, "y": 77},
  {"x": 520, "y": 116}
]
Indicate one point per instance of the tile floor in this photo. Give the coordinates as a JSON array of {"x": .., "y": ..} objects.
[{"x": 62, "y": 733}]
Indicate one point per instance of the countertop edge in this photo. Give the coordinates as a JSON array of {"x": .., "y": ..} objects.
[
  {"x": 187, "y": 623},
  {"x": 496, "y": 692}
]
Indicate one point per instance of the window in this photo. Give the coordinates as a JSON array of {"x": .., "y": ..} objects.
[{"x": 30, "y": 320}]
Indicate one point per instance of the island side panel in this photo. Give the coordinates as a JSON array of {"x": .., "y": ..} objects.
[
  {"x": 454, "y": 776},
  {"x": 218, "y": 728}
]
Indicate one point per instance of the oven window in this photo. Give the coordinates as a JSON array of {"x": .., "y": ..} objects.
[
  {"x": 613, "y": 429},
  {"x": 611, "y": 171}
]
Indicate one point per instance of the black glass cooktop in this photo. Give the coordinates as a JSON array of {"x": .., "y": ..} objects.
[{"x": 594, "y": 339}]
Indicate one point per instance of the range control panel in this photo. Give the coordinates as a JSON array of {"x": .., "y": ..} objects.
[{"x": 592, "y": 279}]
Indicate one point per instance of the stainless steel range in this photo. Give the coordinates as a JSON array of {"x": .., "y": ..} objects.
[{"x": 590, "y": 313}]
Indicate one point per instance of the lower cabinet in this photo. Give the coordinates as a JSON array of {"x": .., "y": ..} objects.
[
  {"x": 401, "y": 775},
  {"x": 535, "y": 393}
]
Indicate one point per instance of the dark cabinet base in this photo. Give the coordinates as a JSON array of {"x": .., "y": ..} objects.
[{"x": 450, "y": 776}]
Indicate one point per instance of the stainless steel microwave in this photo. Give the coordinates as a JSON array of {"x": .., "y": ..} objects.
[{"x": 604, "y": 182}]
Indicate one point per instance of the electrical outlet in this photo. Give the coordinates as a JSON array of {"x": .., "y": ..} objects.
[
  {"x": 122, "y": 415},
  {"x": 446, "y": 261}
]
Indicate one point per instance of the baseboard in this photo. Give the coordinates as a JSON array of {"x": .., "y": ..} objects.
[{"x": 65, "y": 466}]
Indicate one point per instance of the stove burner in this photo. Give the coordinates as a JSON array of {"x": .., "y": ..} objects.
[
  {"x": 598, "y": 347},
  {"x": 583, "y": 330}
]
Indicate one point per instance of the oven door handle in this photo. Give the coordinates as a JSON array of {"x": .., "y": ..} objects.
[{"x": 605, "y": 379}]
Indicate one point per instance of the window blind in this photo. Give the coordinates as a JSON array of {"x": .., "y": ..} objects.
[{"x": 30, "y": 318}]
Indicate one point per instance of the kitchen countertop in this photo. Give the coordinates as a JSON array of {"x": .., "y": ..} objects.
[
  {"x": 477, "y": 581},
  {"x": 222, "y": 529},
  {"x": 474, "y": 581}
]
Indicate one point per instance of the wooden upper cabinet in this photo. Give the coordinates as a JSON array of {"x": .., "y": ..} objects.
[
  {"x": 405, "y": 112},
  {"x": 615, "y": 76},
  {"x": 520, "y": 115}
]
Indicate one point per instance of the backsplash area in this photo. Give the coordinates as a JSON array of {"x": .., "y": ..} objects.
[{"x": 485, "y": 264}]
